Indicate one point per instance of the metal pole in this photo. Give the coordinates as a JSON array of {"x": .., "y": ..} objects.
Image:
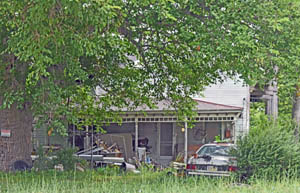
[
  {"x": 185, "y": 142},
  {"x": 92, "y": 161},
  {"x": 158, "y": 140},
  {"x": 136, "y": 137},
  {"x": 86, "y": 141},
  {"x": 73, "y": 126}
]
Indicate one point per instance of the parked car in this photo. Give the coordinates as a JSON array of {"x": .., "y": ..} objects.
[{"x": 212, "y": 160}]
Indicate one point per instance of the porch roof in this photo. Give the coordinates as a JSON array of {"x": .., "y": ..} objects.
[
  {"x": 201, "y": 106},
  {"x": 206, "y": 112}
]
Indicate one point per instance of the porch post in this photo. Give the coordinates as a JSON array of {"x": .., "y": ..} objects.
[
  {"x": 73, "y": 139},
  {"x": 222, "y": 130},
  {"x": 158, "y": 140},
  {"x": 92, "y": 159},
  {"x": 234, "y": 131},
  {"x": 185, "y": 142},
  {"x": 174, "y": 140},
  {"x": 87, "y": 140},
  {"x": 136, "y": 137}
]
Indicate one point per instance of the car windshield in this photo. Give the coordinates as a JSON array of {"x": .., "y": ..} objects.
[{"x": 214, "y": 150}]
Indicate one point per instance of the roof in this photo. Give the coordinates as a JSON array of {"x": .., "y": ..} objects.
[
  {"x": 204, "y": 105},
  {"x": 200, "y": 106}
]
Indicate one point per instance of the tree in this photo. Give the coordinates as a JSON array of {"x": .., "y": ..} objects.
[
  {"x": 282, "y": 43},
  {"x": 278, "y": 56},
  {"x": 56, "y": 53}
]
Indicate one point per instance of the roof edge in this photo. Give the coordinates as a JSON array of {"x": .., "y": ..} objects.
[{"x": 229, "y": 106}]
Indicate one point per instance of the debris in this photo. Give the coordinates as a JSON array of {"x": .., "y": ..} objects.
[
  {"x": 123, "y": 143},
  {"x": 178, "y": 165},
  {"x": 79, "y": 167},
  {"x": 113, "y": 145},
  {"x": 59, "y": 167},
  {"x": 179, "y": 168},
  {"x": 90, "y": 157},
  {"x": 129, "y": 168},
  {"x": 179, "y": 157},
  {"x": 112, "y": 150},
  {"x": 102, "y": 154},
  {"x": 142, "y": 154}
]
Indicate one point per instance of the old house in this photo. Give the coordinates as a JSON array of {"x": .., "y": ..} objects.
[{"x": 223, "y": 110}]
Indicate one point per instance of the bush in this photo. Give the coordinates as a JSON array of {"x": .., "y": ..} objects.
[
  {"x": 66, "y": 158},
  {"x": 43, "y": 162},
  {"x": 268, "y": 152}
]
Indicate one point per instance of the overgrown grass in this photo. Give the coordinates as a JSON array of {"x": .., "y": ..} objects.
[
  {"x": 269, "y": 151},
  {"x": 113, "y": 182}
]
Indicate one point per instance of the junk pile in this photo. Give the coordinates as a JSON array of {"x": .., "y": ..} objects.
[
  {"x": 179, "y": 168},
  {"x": 109, "y": 150},
  {"x": 178, "y": 165},
  {"x": 102, "y": 154}
]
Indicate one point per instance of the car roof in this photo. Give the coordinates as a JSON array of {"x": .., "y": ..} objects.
[{"x": 218, "y": 144}]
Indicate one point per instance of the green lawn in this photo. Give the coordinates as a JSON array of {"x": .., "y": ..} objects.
[{"x": 159, "y": 182}]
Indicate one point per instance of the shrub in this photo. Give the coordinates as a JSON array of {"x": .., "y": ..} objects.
[
  {"x": 42, "y": 162},
  {"x": 66, "y": 158},
  {"x": 268, "y": 152}
]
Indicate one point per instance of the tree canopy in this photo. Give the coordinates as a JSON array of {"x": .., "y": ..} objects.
[{"x": 56, "y": 53}]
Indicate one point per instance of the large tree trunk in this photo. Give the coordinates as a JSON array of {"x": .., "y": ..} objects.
[
  {"x": 18, "y": 146},
  {"x": 296, "y": 112}
]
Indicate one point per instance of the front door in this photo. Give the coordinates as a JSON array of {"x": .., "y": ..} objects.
[{"x": 166, "y": 140}]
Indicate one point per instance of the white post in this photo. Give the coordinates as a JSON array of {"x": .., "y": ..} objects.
[
  {"x": 185, "y": 142},
  {"x": 92, "y": 160},
  {"x": 158, "y": 140},
  {"x": 222, "y": 131},
  {"x": 174, "y": 139},
  {"x": 234, "y": 131},
  {"x": 136, "y": 137},
  {"x": 73, "y": 144},
  {"x": 87, "y": 140}
]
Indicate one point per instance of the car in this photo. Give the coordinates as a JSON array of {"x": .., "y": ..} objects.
[{"x": 212, "y": 160}]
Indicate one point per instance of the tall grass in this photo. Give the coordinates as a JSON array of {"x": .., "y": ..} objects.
[
  {"x": 98, "y": 182},
  {"x": 269, "y": 151}
]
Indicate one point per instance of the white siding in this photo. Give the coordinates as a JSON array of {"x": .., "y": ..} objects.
[{"x": 233, "y": 93}]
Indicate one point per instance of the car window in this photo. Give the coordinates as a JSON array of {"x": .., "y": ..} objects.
[{"x": 214, "y": 150}]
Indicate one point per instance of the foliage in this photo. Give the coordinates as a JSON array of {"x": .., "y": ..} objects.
[
  {"x": 47, "y": 160},
  {"x": 66, "y": 158},
  {"x": 43, "y": 162},
  {"x": 57, "y": 55},
  {"x": 258, "y": 117},
  {"x": 269, "y": 151},
  {"x": 108, "y": 171}
]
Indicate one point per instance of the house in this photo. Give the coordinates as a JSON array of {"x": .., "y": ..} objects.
[
  {"x": 222, "y": 110},
  {"x": 234, "y": 93}
]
